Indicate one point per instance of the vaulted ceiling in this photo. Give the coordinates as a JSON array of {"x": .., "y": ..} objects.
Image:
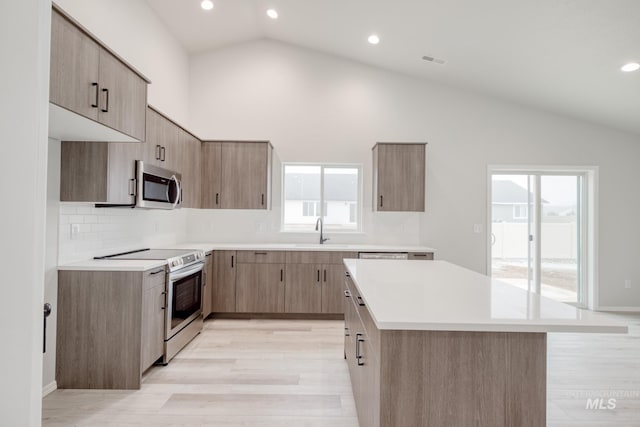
[{"x": 563, "y": 56}]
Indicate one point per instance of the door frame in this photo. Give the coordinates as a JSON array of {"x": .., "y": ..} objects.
[{"x": 589, "y": 265}]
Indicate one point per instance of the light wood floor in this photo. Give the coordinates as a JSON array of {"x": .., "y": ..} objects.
[{"x": 276, "y": 373}]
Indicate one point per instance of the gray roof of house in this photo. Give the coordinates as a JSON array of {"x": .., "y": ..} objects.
[
  {"x": 503, "y": 191},
  {"x": 337, "y": 187}
]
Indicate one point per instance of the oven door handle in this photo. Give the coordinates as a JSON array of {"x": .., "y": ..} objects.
[
  {"x": 178, "y": 194},
  {"x": 181, "y": 275}
]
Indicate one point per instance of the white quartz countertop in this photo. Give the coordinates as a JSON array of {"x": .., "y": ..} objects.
[
  {"x": 301, "y": 247},
  {"x": 440, "y": 296},
  {"x": 143, "y": 265},
  {"x": 113, "y": 265}
]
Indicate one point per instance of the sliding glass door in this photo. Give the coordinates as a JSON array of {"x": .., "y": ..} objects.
[{"x": 537, "y": 232}]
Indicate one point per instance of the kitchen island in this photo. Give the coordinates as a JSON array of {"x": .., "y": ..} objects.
[{"x": 435, "y": 344}]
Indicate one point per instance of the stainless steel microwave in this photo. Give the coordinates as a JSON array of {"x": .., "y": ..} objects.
[{"x": 157, "y": 188}]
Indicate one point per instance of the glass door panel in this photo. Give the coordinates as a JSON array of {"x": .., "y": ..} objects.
[
  {"x": 511, "y": 217},
  {"x": 560, "y": 237}
]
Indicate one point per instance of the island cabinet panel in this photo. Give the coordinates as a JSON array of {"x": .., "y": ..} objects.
[
  {"x": 260, "y": 288},
  {"x": 101, "y": 331},
  {"x": 207, "y": 286},
  {"x": 438, "y": 378},
  {"x": 224, "y": 282},
  {"x": 399, "y": 177}
]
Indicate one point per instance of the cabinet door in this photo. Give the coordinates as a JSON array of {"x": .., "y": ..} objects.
[
  {"x": 211, "y": 157},
  {"x": 207, "y": 290},
  {"x": 123, "y": 97},
  {"x": 155, "y": 138},
  {"x": 303, "y": 288},
  {"x": 75, "y": 60},
  {"x": 122, "y": 171},
  {"x": 153, "y": 313},
  {"x": 244, "y": 175},
  {"x": 190, "y": 170},
  {"x": 400, "y": 177},
  {"x": 332, "y": 288},
  {"x": 260, "y": 288},
  {"x": 224, "y": 282}
]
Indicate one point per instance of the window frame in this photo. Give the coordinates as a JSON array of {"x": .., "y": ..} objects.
[{"x": 327, "y": 227}]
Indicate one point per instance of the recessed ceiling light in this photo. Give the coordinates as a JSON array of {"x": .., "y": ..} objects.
[
  {"x": 631, "y": 66},
  {"x": 272, "y": 13},
  {"x": 374, "y": 39},
  {"x": 206, "y": 4}
]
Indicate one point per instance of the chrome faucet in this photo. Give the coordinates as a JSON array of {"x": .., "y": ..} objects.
[{"x": 320, "y": 223}]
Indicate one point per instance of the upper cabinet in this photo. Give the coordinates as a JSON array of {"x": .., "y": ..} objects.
[
  {"x": 399, "y": 177},
  {"x": 236, "y": 175},
  {"x": 88, "y": 80}
]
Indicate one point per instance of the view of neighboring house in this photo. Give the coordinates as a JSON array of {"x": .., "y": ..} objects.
[{"x": 302, "y": 198}]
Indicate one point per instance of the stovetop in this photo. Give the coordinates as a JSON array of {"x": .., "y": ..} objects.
[{"x": 176, "y": 258}]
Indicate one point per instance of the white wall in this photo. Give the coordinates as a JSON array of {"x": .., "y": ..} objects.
[
  {"x": 104, "y": 231},
  {"x": 133, "y": 30},
  {"x": 24, "y": 43},
  {"x": 315, "y": 107},
  {"x": 51, "y": 263}
]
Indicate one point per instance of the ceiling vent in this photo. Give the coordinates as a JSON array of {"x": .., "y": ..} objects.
[{"x": 434, "y": 60}]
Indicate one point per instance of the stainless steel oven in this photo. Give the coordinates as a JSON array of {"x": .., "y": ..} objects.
[
  {"x": 184, "y": 307},
  {"x": 157, "y": 188}
]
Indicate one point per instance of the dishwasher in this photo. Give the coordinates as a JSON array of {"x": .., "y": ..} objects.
[{"x": 383, "y": 255}]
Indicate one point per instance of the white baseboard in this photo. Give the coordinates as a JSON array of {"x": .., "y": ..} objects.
[
  {"x": 49, "y": 388},
  {"x": 619, "y": 308}
]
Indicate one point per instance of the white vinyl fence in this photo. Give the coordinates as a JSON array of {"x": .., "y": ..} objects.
[{"x": 510, "y": 240}]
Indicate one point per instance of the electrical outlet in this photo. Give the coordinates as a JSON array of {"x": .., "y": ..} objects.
[
  {"x": 75, "y": 230},
  {"x": 627, "y": 284}
]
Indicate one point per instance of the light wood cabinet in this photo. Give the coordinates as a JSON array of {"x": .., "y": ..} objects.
[
  {"x": 100, "y": 172},
  {"x": 303, "y": 288},
  {"x": 224, "y": 282},
  {"x": 425, "y": 256},
  {"x": 88, "y": 79},
  {"x": 190, "y": 169},
  {"x": 236, "y": 175},
  {"x": 315, "y": 281},
  {"x": 211, "y": 166},
  {"x": 207, "y": 286},
  {"x": 153, "y": 316},
  {"x": 110, "y": 327},
  {"x": 162, "y": 147},
  {"x": 260, "y": 284},
  {"x": 399, "y": 177}
]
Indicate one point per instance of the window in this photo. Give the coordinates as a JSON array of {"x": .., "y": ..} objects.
[
  {"x": 328, "y": 191},
  {"x": 520, "y": 211}
]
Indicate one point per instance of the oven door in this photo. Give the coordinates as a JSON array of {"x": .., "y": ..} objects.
[{"x": 184, "y": 298}]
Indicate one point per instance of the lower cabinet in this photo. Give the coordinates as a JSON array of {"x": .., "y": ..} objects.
[
  {"x": 260, "y": 288},
  {"x": 223, "y": 286},
  {"x": 153, "y": 316},
  {"x": 303, "y": 289},
  {"x": 207, "y": 286},
  {"x": 110, "y": 327}
]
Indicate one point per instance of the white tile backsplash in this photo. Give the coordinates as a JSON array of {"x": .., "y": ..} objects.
[{"x": 102, "y": 231}]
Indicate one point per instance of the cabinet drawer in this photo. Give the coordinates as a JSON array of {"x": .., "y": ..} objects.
[
  {"x": 324, "y": 257},
  {"x": 421, "y": 255},
  {"x": 371, "y": 332},
  {"x": 261, "y": 257},
  {"x": 154, "y": 277}
]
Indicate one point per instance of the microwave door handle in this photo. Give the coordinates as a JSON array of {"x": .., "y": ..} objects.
[{"x": 179, "y": 194}]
